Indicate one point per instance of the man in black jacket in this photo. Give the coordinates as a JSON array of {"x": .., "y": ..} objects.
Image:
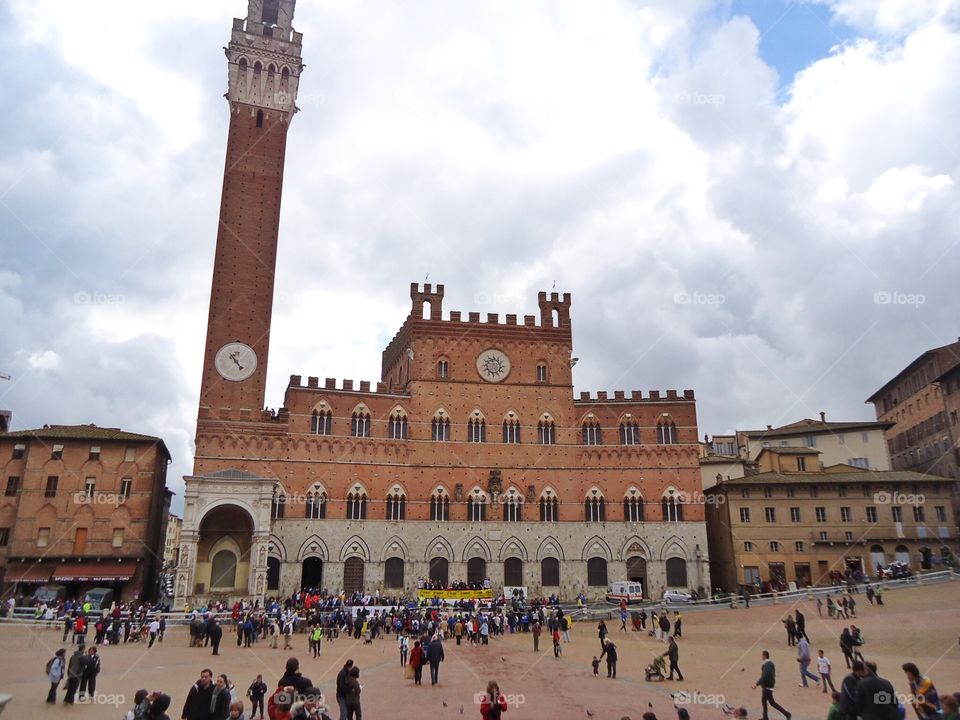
[
  {"x": 436, "y": 657},
  {"x": 342, "y": 689},
  {"x": 610, "y": 650},
  {"x": 75, "y": 669},
  {"x": 673, "y": 652},
  {"x": 198, "y": 703},
  {"x": 801, "y": 626},
  {"x": 215, "y": 633},
  {"x": 292, "y": 676},
  {"x": 848, "y": 692},
  {"x": 876, "y": 698}
]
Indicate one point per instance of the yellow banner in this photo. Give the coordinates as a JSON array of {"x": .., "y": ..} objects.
[{"x": 455, "y": 594}]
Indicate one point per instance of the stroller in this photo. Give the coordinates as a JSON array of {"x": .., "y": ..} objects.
[{"x": 656, "y": 669}]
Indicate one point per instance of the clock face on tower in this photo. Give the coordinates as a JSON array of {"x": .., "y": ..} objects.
[
  {"x": 493, "y": 365},
  {"x": 236, "y": 361}
]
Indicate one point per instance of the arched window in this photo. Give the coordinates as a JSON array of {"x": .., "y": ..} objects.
[
  {"x": 278, "y": 505},
  {"x": 542, "y": 375},
  {"x": 393, "y": 573},
  {"x": 440, "y": 506},
  {"x": 360, "y": 424},
  {"x": 271, "y": 69},
  {"x": 549, "y": 509},
  {"x": 257, "y": 67},
  {"x": 443, "y": 369},
  {"x": 243, "y": 64},
  {"x": 629, "y": 433},
  {"x": 440, "y": 571},
  {"x": 672, "y": 508},
  {"x": 273, "y": 573},
  {"x": 259, "y": 118},
  {"x": 316, "y": 505},
  {"x": 513, "y": 572},
  {"x": 321, "y": 422},
  {"x": 666, "y": 433},
  {"x": 597, "y": 572},
  {"x": 356, "y": 506},
  {"x": 223, "y": 570},
  {"x": 676, "y": 573},
  {"x": 476, "y": 430},
  {"x": 511, "y": 430},
  {"x": 550, "y": 572},
  {"x": 396, "y": 507},
  {"x": 440, "y": 429},
  {"x": 513, "y": 507},
  {"x": 476, "y": 508},
  {"x": 398, "y": 425},
  {"x": 592, "y": 435},
  {"x": 547, "y": 432},
  {"x": 476, "y": 571},
  {"x": 595, "y": 509},
  {"x": 633, "y": 509}
]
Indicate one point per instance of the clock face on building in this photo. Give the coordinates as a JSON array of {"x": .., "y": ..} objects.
[
  {"x": 236, "y": 361},
  {"x": 493, "y": 365}
]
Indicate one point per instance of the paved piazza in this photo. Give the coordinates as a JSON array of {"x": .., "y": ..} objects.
[{"x": 719, "y": 655}]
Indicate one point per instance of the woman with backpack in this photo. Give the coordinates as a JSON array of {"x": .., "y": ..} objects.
[
  {"x": 494, "y": 704},
  {"x": 55, "y": 668}
]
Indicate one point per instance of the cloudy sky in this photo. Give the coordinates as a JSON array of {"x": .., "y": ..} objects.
[{"x": 756, "y": 199}]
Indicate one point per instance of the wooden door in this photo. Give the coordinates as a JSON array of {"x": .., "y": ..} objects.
[{"x": 80, "y": 541}]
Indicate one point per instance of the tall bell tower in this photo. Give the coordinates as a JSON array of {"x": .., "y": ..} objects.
[{"x": 263, "y": 72}]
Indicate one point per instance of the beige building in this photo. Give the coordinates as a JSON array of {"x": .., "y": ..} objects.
[
  {"x": 171, "y": 547},
  {"x": 789, "y": 521},
  {"x": 720, "y": 460}
]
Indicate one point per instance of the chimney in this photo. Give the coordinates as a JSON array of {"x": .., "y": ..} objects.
[
  {"x": 823, "y": 416},
  {"x": 769, "y": 427}
]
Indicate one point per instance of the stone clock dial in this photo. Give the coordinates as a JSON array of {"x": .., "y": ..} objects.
[
  {"x": 493, "y": 365},
  {"x": 236, "y": 361}
]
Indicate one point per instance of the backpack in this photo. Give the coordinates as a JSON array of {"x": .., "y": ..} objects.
[{"x": 49, "y": 666}]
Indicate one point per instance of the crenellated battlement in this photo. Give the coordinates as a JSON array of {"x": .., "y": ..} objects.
[
  {"x": 653, "y": 396},
  {"x": 345, "y": 385}
]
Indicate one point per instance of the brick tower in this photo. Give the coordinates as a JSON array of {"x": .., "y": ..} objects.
[{"x": 264, "y": 65}]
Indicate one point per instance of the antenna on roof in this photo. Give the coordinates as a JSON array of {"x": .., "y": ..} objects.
[
  {"x": 554, "y": 286},
  {"x": 425, "y": 278}
]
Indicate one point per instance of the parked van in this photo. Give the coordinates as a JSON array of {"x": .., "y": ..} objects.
[
  {"x": 99, "y": 598},
  {"x": 631, "y": 592},
  {"x": 49, "y": 594}
]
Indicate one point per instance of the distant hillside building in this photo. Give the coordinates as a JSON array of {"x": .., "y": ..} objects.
[{"x": 84, "y": 507}]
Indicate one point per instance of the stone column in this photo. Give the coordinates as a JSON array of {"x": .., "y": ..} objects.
[
  {"x": 257, "y": 581},
  {"x": 183, "y": 585}
]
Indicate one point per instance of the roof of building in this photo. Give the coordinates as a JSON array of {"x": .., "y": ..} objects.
[
  {"x": 813, "y": 427},
  {"x": 948, "y": 357},
  {"x": 790, "y": 451},
  {"x": 230, "y": 474},
  {"x": 83, "y": 432},
  {"x": 809, "y": 478}
]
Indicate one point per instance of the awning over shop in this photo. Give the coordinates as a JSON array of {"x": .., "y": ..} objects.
[
  {"x": 95, "y": 572},
  {"x": 29, "y": 573}
]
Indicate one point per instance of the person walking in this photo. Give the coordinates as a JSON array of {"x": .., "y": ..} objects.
[
  {"x": 791, "y": 626},
  {"x": 610, "y": 651},
  {"x": 535, "y": 630},
  {"x": 565, "y": 626},
  {"x": 352, "y": 689},
  {"x": 403, "y": 642},
  {"x": 154, "y": 631},
  {"x": 623, "y": 619},
  {"x": 876, "y": 698},
  {"x": 88, "y": 681},
  {"x": 801, "y": 626},
  {"x": 643, "y": 619},
  {"x": 673, "y": 654},
  {"x": 56, "y": 668},
  {"x": 846, "y": 646},
  {"x": 664, "y": 625},
  {"x": 677, "y": 625},
  {"x": 494, "y": 703},
  {"x": 417, "y": 661},
  {"x": 924, "y": 696},
  {"x": 766, "y": 683},
  {"x": 75, "y": 668},
  {"x": 557, "y": 650},
  {"x": 199, "y": 702},
  {"x": 436, "y": 657},
  {"x": 602, "y": 632},
  {"x": 215, "y": 633},
  {"x": 803, "y": 657},
  {"x": 825, "y": 668},
  {"x": 848, "y": 692},
  {"x": 221, "y": 700},
  {"x": 342, "y": 683},
  {"x": 256, "y": 692}
]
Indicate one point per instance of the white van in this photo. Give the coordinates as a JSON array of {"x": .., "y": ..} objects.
[{"x": 631, "y": 592}]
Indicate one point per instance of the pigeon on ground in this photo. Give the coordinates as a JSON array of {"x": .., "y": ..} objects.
[
  {"x": 461, "y": 709},
  {"x": 503, "y": 658},
  {"x": 444, "y": 702},
  {"x": 589, "y": 713}
]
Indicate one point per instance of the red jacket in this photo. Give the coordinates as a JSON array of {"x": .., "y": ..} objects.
[
  {"x": 485, "y": 705},
  {"x": 416, "y": 657}
]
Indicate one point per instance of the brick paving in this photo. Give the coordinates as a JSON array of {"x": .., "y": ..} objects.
[{"x": 719, "y": 655}]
